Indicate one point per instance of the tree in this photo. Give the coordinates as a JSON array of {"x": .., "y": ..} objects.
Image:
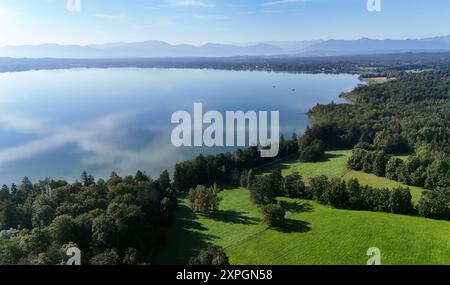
[
  {"x": 318, "y": 185},
  {"x": 357, "y": 159},
  {"x": 277, "y": 182},
  {"x": 164, "y": 180},
  {"x": 54, "y": 255},
  {"x": 438, "y": 174},
  {"x": 336, "y": 194},
  {"x": 114, "y": 179},
  {"x": 141, "y": 177},
  {"x": 274, "y": 215},
  {"x": 83, "y": 230},
  {"x": 435, "y": 204},
  {"x": 212, "y": 255},
  {"x": 10, "y": 253},
  {"x": 108, "y": 257},
  {"x": 294, "y": 186},
  {"x": 4, "y": 189},
  {"x": 354, "y": 194},
  {"x": 401, "y": 201},
  {"x": 313, "y": 152},
  {"x": 204, "y": 200},
  {"x": 379, "y": 163},
  {"x": 87, "y": 179},
  {"x": 261, "y": 191},
  {"x": 392, "y": 168},
  {"x": 251, "y": 178},
  {"x": 244, "y": 178},
  {"x": 62, "y": 229},
  {"x": 26, "y": 185},
  {"x": 35, "y": 242},
  {"x": 104, "y": 232},
  {"x": 382, "y": 200},
  {"x": 128, "y": 221},
  {"x": 43, "y": 215},
  {"x": 235, "y": 177},
  {"x": 418, "y": 176},
  {"x": 9, "y": 215}
]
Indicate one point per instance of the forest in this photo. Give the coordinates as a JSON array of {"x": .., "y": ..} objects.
[{"x": 116, "y": 221}]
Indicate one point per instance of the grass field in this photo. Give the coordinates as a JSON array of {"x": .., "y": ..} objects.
[
  {"x": 334, "y": 166},
  {"x": 376, "y": 80},
  {"x": 315, "y": 234},
  {"x": 380, "y": 182}
]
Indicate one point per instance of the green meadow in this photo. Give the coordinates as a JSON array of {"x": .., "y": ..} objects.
[
  {"x": 335, "y": 165},
  {"x": 314, "y": 234}
]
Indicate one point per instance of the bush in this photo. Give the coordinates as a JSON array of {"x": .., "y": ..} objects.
[
  {"x": 401, "y": 201},
  {"x": 379, "y": 163},
  {"x": 274, "y": 215},
  {"x": 435, "y": 204},
  {"x": 262, "y": 190},
  {"x": 354, "y": 194},
  {"x": 392, "y": 168},
  {"x": 204, "y": 200},
  {"x": 213, "y": 255},
  {"x": 108, "y": 257},
  {"x": 317, "y": 187},
  {"x": 294, "y": 186},
  {"x": 314, "y": 152},
  {"x": 336, "y": 194}
]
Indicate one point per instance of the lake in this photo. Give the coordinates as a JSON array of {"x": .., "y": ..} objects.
[{"x": 57, "y": 123}]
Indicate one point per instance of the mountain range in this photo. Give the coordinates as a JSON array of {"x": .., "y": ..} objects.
[{"x": 155, "y": 49}]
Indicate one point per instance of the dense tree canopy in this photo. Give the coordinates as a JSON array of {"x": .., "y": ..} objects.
[{"x": 109, "y": 221}]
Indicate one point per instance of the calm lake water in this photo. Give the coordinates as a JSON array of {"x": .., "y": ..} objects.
[{"x": 58, "y": 123}]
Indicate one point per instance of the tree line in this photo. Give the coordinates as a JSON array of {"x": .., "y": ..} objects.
[
  {"x": 225, "y": 168},
  {"x": 350, "y": 194},
  {"x": 426, "y": 168}
]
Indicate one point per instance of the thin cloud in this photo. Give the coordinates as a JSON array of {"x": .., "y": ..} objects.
[
  {"x": 245, "y": 13},
  {"x": 7, "y": 12},
  {"x": 280, "y": 2},
  {"x": 23, "y": 124},
  {"x": 110, "y": 16},
  {"x": 210, "y": 17},
  {"x": 188, "y": 3}
]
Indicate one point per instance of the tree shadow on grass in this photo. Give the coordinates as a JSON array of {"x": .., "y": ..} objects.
[
  {"x": 329, "y": 156},
  {"x": 297, "y": 207},
  {"x": 294, "y": 226},
  {"x": 233, "y": 217},
  {"x": 184, "y": 239},
  {"x": 281, "y": 164}
]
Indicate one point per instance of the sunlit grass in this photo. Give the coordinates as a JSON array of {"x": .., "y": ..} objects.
[{"x": 315, "y": 234}]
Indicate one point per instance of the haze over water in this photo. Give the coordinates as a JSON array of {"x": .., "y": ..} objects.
[{"x": 58, "y": 123}]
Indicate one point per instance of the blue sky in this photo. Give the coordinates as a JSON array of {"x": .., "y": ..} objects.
[{"x": 224, "y": 21}]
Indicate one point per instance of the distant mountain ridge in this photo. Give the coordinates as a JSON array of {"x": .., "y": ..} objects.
[
  {"x": 156, "y": 49},
  {"x": 371, "y": 46}
]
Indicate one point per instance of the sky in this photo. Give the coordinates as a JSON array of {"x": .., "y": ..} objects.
[{"x": 219, "y": 21}]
